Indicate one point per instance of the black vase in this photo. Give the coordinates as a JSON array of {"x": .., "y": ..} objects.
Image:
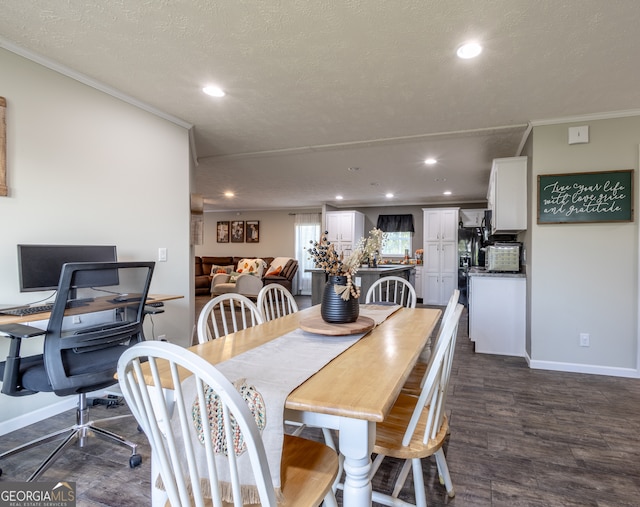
[{"x": 333, "y": 308}]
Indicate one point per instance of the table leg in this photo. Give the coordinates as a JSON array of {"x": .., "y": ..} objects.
[{"x": 356, "y": 443}]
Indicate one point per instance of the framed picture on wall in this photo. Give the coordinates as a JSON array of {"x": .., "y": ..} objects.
[
  {"x": 253, "y": 231},
  {"x": 223, "y": 232},
  {"x": 237, "y": 231}
]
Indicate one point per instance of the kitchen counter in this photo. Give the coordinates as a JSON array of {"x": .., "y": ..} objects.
[
  {"x": 477, "y": 271},
  {"x": 365, "y": 277},
  {"x": 497, "y": 312}
]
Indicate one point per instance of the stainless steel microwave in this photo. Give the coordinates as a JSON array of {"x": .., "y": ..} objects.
[{"x": 503, "y": 257}]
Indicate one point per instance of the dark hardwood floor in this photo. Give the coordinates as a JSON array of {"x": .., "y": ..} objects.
[{"x": 519, "y": 437}]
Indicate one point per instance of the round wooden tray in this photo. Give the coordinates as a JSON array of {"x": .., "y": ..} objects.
[{"x": 316, "y": 325}]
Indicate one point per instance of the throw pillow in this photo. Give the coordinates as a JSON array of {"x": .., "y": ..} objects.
[
  {"x": 278, "y": 262},
  {"x": 234, "y": 276},
  {"x": 274, "y": 272},
  {"x": 215, "y": 269}
]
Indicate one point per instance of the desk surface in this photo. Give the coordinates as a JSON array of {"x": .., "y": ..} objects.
[
  {"x": 15, "y": 319},
  {"x": 361, "y": 383}
]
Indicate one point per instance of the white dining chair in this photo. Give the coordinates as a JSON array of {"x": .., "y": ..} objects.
[
  {"x": 415, "y": 381},
  {"x": 275, "y": 301},
  {"x": 194, "y": 465},
  {"x": 392, "y": 289},
  {"x": 226, "y": 314},
  {"x": 416, "y": 427}
]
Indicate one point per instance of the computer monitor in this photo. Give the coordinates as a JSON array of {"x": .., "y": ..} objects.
[{"x": 40, "y": 266}]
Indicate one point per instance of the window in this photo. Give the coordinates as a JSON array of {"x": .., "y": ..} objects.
[
  {"x": 307, "y": 227},
  {"x": 398, "y": 230},
  {"x": 396, "y": 243}
]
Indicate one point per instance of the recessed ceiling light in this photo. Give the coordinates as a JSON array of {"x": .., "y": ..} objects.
[
  {"x": 469, "y": 50},
  {"x": 339, "y": 197},
  {"x": 389, "y": 195},
  {"x": 430, "y": 161},
  {"x": 448, "y": 192},
  {"x": 229, "y": 194},
  {"x": 214, "y": 91},
  {"x": 353, "y": 169}
]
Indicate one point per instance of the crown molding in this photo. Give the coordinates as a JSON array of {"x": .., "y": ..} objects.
[
  {"x": 586, "y": 117},
  {"x": 93, "y": 83}
]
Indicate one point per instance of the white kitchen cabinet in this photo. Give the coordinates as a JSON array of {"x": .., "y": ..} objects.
[
  {"x": 440, "y": 268},
  {"x": 344, "y": 229},
  {"x": 497, "y": 306},
  {"x": 507, "y": 195},
  {"x": 471, "y": 217}
]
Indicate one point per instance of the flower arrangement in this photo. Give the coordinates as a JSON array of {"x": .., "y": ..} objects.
[{"x": 325, "y": 257}]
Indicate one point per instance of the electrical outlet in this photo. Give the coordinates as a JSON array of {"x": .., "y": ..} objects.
[{"x": 584, "y": 339}]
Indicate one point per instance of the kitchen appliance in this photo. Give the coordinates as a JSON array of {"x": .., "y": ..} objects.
[
  {"x": 470, "y": 241},
  {"x": 503, "y": 257}
]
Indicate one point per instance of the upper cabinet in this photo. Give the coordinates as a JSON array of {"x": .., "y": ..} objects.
[
  {"x": 345, "y": 228},
  {"x": 507, "y": 195}
]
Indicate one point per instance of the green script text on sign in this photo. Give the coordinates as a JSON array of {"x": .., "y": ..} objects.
[{"x": 585, "y": 197}]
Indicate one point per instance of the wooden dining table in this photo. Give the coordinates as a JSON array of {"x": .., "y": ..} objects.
[{"x": 351, "y": 393}]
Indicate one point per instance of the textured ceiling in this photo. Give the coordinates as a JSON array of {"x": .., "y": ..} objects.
[{"x": 316, "y": 87}]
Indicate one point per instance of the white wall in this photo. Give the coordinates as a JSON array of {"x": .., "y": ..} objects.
[
  {"x": 584, "y": 277},
  {"x": 277, "y": 235},
  {"x": 84, "y": 167}
]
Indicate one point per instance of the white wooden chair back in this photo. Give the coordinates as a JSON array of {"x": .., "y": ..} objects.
[
  {"x": 275, "y": 301},
  {"x": 392, "y": 289},
  {"x": 451, "y": 305},
  {"x": 171, "y": 442},
  {"x": 227, "y": 314},
  {"x": 434, "y": 390}
]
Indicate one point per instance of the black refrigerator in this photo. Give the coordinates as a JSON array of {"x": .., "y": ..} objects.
[{"x": 470, "y": 243}]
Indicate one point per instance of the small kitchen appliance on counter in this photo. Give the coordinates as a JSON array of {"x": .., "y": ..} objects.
[{"x": 503, "y": 257}]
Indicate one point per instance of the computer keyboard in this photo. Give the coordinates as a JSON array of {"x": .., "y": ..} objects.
[{"x": 21, "y": 311}]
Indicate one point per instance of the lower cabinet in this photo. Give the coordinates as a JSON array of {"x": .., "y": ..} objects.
[
  {"x": 418, "y": 283},
  {"x": 497, "y": 309},
  {"x": 438, "y": 287}
]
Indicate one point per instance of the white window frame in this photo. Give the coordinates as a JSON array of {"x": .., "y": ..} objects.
[{"x": 398, "y": 254}]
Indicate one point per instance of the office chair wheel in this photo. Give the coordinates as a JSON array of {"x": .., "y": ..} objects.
[{"x": 135, "y": 460}]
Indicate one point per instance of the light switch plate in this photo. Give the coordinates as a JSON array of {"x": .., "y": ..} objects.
[{"x": 578, "y": 135}]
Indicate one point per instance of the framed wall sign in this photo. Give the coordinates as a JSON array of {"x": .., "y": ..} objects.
[
  {"x": 253, "y": 231},
  {"x": 237, "y": 231},
  {"x": 222, "y": 232},
  {"x": 585, "y": 197}
]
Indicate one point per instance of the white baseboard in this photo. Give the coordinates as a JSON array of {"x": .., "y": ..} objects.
[
  {"x": 67, "y": 403},
  {"x": 583, "y": 368},
  {"x": 39, "y": 415}
]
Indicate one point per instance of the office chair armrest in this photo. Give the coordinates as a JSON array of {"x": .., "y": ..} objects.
[
  {"x": 16, "y": 332},
  {"x": 20, "y": 331},
  {"x": 11, "y": 367}
]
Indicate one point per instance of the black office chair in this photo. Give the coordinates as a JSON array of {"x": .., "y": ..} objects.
[{"x": 98, "y": 313}]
